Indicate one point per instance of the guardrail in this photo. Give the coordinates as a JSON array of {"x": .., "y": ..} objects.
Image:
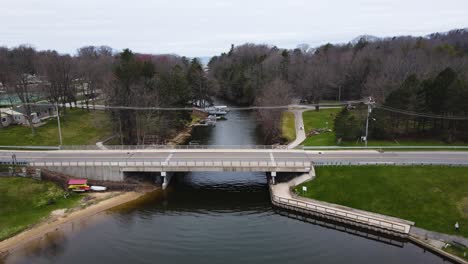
[
  {"x": 383, "y": 147},
  {"x": 387, "y": 163},
  {"x": 14, "y": 163},
  {"x": 31, "y": 147},
  {"x": 224, "y": 164},
  {"x": 143, "y": 147},
  {"x": 337, "y": 213}
]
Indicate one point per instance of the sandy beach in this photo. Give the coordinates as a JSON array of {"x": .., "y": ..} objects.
[{"x": 99, "y": 202}]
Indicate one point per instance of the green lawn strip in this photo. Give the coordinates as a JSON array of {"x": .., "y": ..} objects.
[
  {"x": 403, "y": 142},
  {"x": 457, "y": 250},
  {"x": 434, "y": 197},
  {"x": 79, "y": 127},
  {"x": 319, "y": 119},
  {"x": 26, "y": 201},
  {"x": 288, "y": 126}
]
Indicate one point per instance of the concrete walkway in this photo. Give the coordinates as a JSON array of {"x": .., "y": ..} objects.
[
  {"x": 283, "y": 189},
  {"x": 300, "y": 133},
  {"x": 425, "y": 234},
  {"x": 282, "y": 194}
]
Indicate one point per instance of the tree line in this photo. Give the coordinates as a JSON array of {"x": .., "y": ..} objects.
[
  {"x": 120, "y": 79},
  {"x": 352, "y": 71},
  {"x": 391, "y": 70}
]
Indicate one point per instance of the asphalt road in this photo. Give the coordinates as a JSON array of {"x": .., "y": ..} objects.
[{"x": 333, "y": 157}]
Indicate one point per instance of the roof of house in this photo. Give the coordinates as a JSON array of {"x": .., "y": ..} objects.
[
  {"x": 34, "y": 108},
  {"x": 9, "y": 111},
  {"x": 77, "y": 181}
]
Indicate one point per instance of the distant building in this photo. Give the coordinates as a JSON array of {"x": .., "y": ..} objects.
[{"x": 17, "y": 115}]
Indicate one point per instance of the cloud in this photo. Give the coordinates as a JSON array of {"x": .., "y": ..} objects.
[{"x": 207, "y": 27}]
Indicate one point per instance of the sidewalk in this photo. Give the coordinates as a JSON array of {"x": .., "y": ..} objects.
[{"x": 300, "y": 133}]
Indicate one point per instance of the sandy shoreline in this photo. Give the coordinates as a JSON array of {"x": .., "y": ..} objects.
[{"x": 11, "y": 244}]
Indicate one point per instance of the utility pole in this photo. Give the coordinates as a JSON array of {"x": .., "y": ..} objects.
[
  {"x": 58, "y": 122},
  {"x": 369, "y": 110}
]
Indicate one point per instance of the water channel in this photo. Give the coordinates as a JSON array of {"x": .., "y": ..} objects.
[{"x": 212, "y": 218}]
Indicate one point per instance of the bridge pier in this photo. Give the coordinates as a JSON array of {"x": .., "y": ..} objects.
[
  {"x": 273, "y": 177},
  {"x": 166, "y": 179}
]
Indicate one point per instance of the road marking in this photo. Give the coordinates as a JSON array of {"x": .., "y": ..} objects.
[
  {"x": 168, "y": 158},
  {"x": 272, "y": 159}
]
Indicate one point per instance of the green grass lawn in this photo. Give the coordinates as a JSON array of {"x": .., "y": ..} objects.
[
  {"x": 457, "y": 250},
  {"x": 79, "y": 127},
  {"x": 314, "y": 120},
  {"x": 26, "y": 201},
  {"x": 288, "y": 126},
  {"x": 434, "y": 197}
]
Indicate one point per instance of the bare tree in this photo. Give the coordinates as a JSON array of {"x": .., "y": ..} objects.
[
  {"x": 22, "y": 69},
  {"x": 274, "y": 93}
]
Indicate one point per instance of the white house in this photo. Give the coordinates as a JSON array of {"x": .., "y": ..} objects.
[
  {"x": 10, "y": 116},
  {"x": 17, "y": 115}
]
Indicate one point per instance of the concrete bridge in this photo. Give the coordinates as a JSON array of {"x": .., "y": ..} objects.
[{"x": 115, "y": 164}]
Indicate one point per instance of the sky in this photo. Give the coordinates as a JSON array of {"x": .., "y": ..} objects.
[{"x": 209, "y": 27}]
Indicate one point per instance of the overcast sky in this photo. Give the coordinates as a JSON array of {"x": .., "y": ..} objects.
[{"x": 208, "y": 27}]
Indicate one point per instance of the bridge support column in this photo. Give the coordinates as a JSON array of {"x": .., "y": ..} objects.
[
  {"x": 273, "y": 177},
  {"x": 166, "y": 179}
]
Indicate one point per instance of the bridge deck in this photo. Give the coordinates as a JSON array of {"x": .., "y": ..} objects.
[{"x": 245, "y": 155}]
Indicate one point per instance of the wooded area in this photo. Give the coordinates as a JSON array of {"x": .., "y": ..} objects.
[
  {"x": 121, "y": 80},
  {"x": 413, "y": 74},
  {"x": 421, "y": 74}
]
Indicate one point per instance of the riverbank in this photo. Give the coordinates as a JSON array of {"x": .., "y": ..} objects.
[
  {"x": 288, "y": 126},
  {"x": 94, "y": 203},
  {"x": 290, "y": 195},
  {"x": 25, "y": 201},
  {"x": 434, "y": 197}
]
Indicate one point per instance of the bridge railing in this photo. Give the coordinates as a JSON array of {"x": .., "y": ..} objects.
[
  {"x": 299, "y": 205},
  {"x": 384, "y": 147},
  {"x": 224, "y": 164},
  {"x": 150, "y": 147}
]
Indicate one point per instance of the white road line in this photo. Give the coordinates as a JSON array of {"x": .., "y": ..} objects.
[
  {"x": 168, "y": 158},
  {"x": 272, "y": 159}
]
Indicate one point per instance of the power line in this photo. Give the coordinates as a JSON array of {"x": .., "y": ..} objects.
[
  {"x": 426, "y": 115},
  {"x": 272, "y": 107}
]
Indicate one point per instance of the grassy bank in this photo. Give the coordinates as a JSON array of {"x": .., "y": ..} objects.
[
  {"x": 434, "y": 197},
  {"x": 26, "y": 201},
  {"x": 79, "y": 127},
  {"x": 318, "y": 119},
  {"x": 457, "y": 250},
  {"x": 315, "y": 120},
  {"x": 288, "y": 126}
]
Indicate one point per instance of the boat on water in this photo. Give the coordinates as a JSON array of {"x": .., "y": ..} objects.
[{"x": 218, "y": 110}]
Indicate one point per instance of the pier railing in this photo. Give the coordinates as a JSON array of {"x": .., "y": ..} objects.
[{"x": 308, "y": 207}]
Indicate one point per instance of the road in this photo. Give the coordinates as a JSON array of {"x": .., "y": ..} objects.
[{"x": 318, "y": 157}]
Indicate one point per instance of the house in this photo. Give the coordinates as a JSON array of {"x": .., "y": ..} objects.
[
  {"x": 10, "y": 116},
  {"x": 39, "y": 111},
  {"x": 17, "y": 115}
]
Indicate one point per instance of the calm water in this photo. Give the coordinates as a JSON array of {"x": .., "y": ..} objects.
[{"x": 212, "y": 218}]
